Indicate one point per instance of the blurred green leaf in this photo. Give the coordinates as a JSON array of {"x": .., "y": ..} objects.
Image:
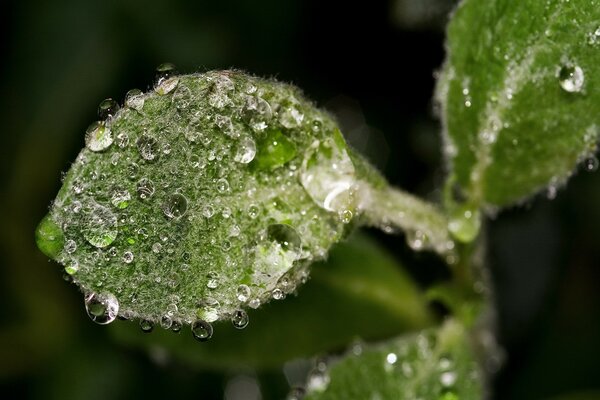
[
  {"x": 360, "y": 292},
  {"x": 434, "y": 364},
  {"x": 519, "y": 95}
]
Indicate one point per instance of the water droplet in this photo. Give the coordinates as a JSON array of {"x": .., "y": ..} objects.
[
  {"x": 212, "y": 282},
  {"x": 246, "y": 150},
  {"x": 182, "y": 97},
  {"x": 416, "y": 240},
  {"x": 120, "y": 199},
  {"x": 70, "y": 246},
  {"x": 571, "y": 78},
  {"x": 175, "y": 206},
  {"x": 274, "y": 150},
  {"x": 291, "y": 118},
  {"x": 128, "y": 257},
  {"x": 591, "y": 164},
  {"x": 134, "y": 99},
  {"x": 72, "y": 268},
  {"x": 146, "y": 326},
  {"x": 166, "y": 80},
  {"x": 448, "y": 378},
  {"x": 346, "y": 216},
  {"x": 132, "y": 171},
  {"x": 166, "y": 322},
  {"x": 49, "y": 237},
  {"x": 240, "y": 319},
  {"x": 107, "y": 108},
  {"x": 100, "y": 226},
  {"x": 148, "y": 147},
  {"x": 98, "y": 136},
  {"x": 254, "y": 303},
  {"x": 464, "y": 224},
  {"x": 202, "y": 330},
  {"x": 208, "y": 211},
  {"x": 285, "y": 236},
  {"x": 225, "y": 125},
  {"x": 219, "y": 95},
  {"x": 391, "y": 358},
  {"x": 156, "y": 248},
  {"x": 317, "y": 381},
  {"x": 164, "y": 71},
  {"x": 328, "y": 175},
  {"x": 222, "y": 185},
  {"x": 102, "y": 308},
  {"x": 243, "y": 293},
  {"x": 176, "y": 326},
  {"x": 277, "y": 294},
  {"x": 253, "y": 211},
  {"x": 145, "y": 188}
]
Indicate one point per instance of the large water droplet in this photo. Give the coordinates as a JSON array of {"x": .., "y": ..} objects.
[
  {"x": 134, "y": 99},
  {"x": 243, "y": 293},
  {"x": 571, "y": 78},
  {"x": 148, "y": 147},
  {"x": 274, "y": 150},
  {"x": 219, "y": 95},
  {"x": 49, "y": 237},
  {"x": 245, "y": 151},
  {"x": 98, "y": 136},
  {"x": 145, "y": 188},
  {"x": 107, "y": 108},
  {"x": 240, "y": 319},
  {"x": 328, "y": 175},
  {"x": 120, "y": 199},
  {"x": 166, "y": 80},
  {"x": 285, "y": 236},
  {"x": 100, "y": 226},
  {"x": 102, "y": 308},
  {"x": 175, "y": 206},
  {"x": 202, "y": 330},
  {"x": 464, "y": 224}
]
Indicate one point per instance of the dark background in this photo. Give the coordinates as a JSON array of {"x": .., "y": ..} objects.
[{"x": 372, "y": 65}]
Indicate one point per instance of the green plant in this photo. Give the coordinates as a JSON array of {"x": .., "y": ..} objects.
[{"x": 217, "y": 191}]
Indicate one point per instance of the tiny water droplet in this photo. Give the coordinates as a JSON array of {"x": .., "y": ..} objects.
[
  {"x": 175, "y": 206},
  {"x": 253, "y": 211},
  {"x": 146, "y": 326},
  {"x": 156, "y": 247},
  {"x": 243, "y": 293},
  {"x": 107, "y": 108},
  {"x": 148, "y": 147},
  {"x": 145, "y": 188},
  {"x": 222, "y": 185},
  {"x": 128, "y": 257},
  {"x": 591, "y": 164},
  {"x": 278, "y": 294},
  {"x": 134, "y": 99},
  {"x": 240, "y": 319},
  {"x": 416, "y": 240},
  {"x": 448, "y": 378},
  {"x": 176, "y": 326},
  {"x": 100, "y": 227},
  {"x": 98, "y": 136},
  {"x": 102, "y": 308},
  {"x": 202, "y": 330},
  {"x": 464, "y": 224},
  {"x": 291, "y": 118},
  {"x": 72, "y": 268},
  {"x": 166, "y": 322},
  {"x": 254, "y": 303},
  {"x": 70, "y": 246},
  {"x": 571, "y": 78},
  {"x": 346, "y": 216}
]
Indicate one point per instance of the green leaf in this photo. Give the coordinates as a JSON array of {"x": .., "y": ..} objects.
[
  {"x": 434, "y": 364},
  {"x": 359, "y": 292},
  {"x": 209, "y": 194},
  {"x": 519, "y": 96}
]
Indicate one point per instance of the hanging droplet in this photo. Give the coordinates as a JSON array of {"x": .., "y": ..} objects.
[
  {"x": 176, "y": 326},
  {"x": 571, "y": 78},
  {"x": 120, "y": 199},
  {"x": 72, "y": 267},
  {"x": 134, "y": 99},
  {"x": 243, "y": 293},
  {"x": 145, "y": 188},
  {"x": 148, "y": 147},
  {"x": 166, "y": 80},
  {"x": 100, "y": 226},
  {"x": 240, "y": 319},
  {"x": 146, "y": 326},
  {"x": 175, "y": 206},
  {"x": 464, "y": 224},
  {"x": 416, "y": 240},
  {"x": 202, "y": 330},
  {"x": 245, "y": 151},
  {"x": 102, "y": 308},
  {"x": 166, "y": 322},
  {"x": 278, "y": 294},
  {"x": 107, "y": 108},
  {"x": 98, "y": 136}
]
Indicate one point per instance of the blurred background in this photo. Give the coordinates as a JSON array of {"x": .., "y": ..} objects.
[{"x": 371, "y": 65}]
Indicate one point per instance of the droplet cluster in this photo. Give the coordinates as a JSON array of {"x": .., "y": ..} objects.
[{"x": 209, "y": 194}]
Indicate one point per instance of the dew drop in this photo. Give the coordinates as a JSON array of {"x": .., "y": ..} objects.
[
  {"x": 120, "y": 199},
  {"x": 254, "y": 303},
  {"x": 146, "y": 326},
  {"x": 107, "y": 108},
  {"x": 464, "y": 224},
  {"x": 156, "y": 248},
  {"x": 571, "y": 78},
  {"x": 346, "y": 216},
  {"x": 102, "y": 308},
  {"x": 245, "y": 151},
  {"x": 391, "y": 358},
  {"x": 591, "y": 164},
  {"x": 70, "y": 246},
  {"x": 145, "y": 188},
  {"x": 222, "y": 185},
  {"x": 134, "y": 99},
  {"x": 274, "y": 150},
  {"x": 128, "y": 257},
  {"x": 253, "y": 211},
  {"x": 176, "y": 326},
  {"x": 416, "y": 240},
  {"x": 175, "y": 206},
  {"x": 98, "y": 136},
  {"x": 285, "y": 236},
  {"x": 148, "y": 147},
  {"x": 328, "y": 175},
  {"x": 72, "y": 268},
  {"x": 240, "y": 319},
  {"x": 291, "y": 118},
  {"x": 166, "y": 322},
  {"x": 277, "y": 294},
  {"x": 317, "y": 381},
  {"x": 202, "y": 330},
  {"x": 132, "y": 171},
  {"x": 100, "y": 227},
  {"x": 448, "y": 378},
  {"x": 243, "y": 293},
  {"x": 219, "y": 95},
  {"x": 166, "y": 80},
  {"x": 225, "y": 125}
]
